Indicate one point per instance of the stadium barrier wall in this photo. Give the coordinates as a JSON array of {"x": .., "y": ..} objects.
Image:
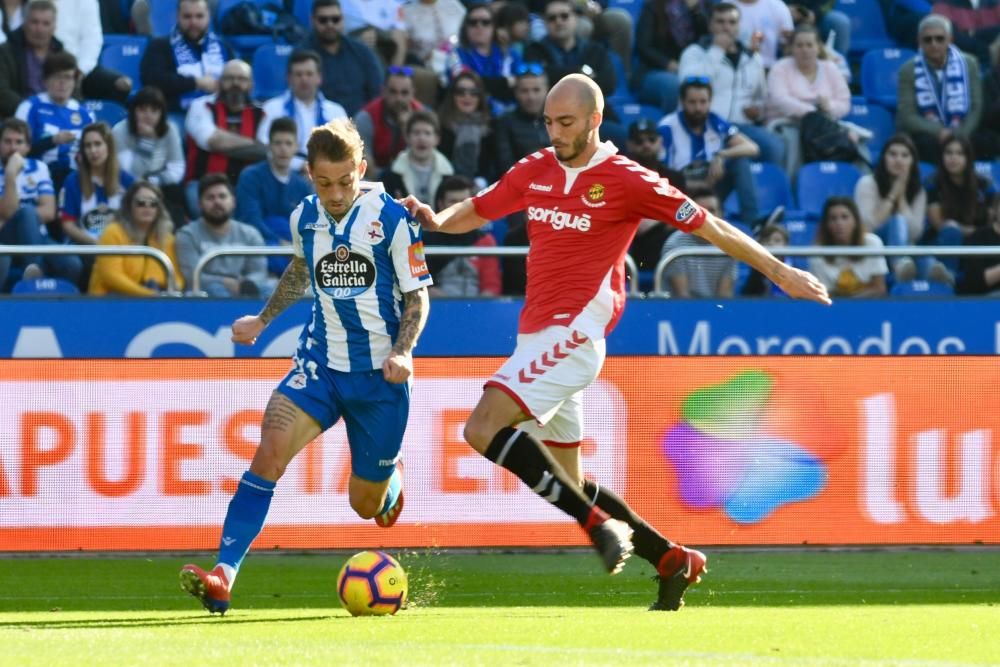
[{"x": 145, "y": 454}]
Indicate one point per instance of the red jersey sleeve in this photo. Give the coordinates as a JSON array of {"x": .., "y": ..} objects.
[
  {"x": 503, "y": 197},
  {"x": 655, "y": 198}
]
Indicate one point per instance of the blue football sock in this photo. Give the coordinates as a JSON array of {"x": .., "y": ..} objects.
[
  {"x": 245, "y": 518},
  {"x": 395, "y": 485}
]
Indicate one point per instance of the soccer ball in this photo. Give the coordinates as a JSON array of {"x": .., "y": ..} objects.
[{"x": 372, "y": 583}]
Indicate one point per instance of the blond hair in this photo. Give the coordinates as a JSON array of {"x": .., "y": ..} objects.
[{"x": 335, "y": 141}]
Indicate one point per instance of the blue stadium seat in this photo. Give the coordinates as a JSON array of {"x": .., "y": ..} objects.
[
  {"x": 302, "y": 9},
  {"x": 106, "y": 111},
  {"x": 125, "y": 56},
  {"x": 629, "y": 113},
  {"x": 772, "y": 187},
  {"x": 633, "y": 7},
  {"x": 244, "y": 45},
  {"x": 921, "y": 288},
  {"x": 43, "y": 287},
  {"x": 988, "y": 170},
  {"x": 270, "y": 63},
  {"x": 874, "y": 118},
  {"x": 162, "y": 16},
  {"x": 880, "y": 75},
  {"x": 819, "y": 180},
  {"x": 622, "y": 94},
  {"x": 867, "y": 25},
  {"x": 801, "y": 230},
  {"x": 927, "y": 170}
]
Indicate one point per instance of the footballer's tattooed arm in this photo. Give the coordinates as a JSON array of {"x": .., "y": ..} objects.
[
  {"x": 289, "y": 289},
  {"x": 416, "y": 304}
]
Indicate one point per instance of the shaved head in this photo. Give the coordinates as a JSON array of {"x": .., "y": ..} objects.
[{"x": 580, "y": 89}]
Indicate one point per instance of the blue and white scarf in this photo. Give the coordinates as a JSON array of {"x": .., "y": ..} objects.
[
  {"x": 209, "y": 63},
  {"x": 953, "y": 103}
]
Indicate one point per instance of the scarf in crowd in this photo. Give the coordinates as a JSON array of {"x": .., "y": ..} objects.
[
  {"x": 208, "y": 63},
  {"x": 949, "y": 104}
]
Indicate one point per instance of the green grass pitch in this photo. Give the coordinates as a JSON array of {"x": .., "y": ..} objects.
[{"x": 920, "y": 608}]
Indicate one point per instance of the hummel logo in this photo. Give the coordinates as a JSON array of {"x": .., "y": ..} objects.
[
  {"x": 228, "y": 541},
  {"x": 540, "y": 188}
]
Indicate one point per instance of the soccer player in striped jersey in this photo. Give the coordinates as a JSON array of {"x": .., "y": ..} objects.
[
  {"x": 363, "y": 256},
  {"x": 583, "y": 204}
]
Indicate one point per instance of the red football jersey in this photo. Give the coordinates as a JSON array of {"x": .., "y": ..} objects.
[{"x": 581, "y": 222}]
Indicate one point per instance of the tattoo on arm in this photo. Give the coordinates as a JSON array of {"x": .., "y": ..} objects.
[
  {"x": 290, "y": 288},
  {"x": 416, "y": 304}
]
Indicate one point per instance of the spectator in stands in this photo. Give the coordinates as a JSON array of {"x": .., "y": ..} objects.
[
  {"x": 739, "y": 82},
  {"x": 150, "y": 149},
  {"x": 513, "y": 27},
  {"x": 957, "y": 196},
  {"x": 187, "y": 63},
  {"x": 757, "y": 284},
  {"x": 767, "y": 24},
  {"x": 303, "y": 102},
  {"x": 27, "y": 202},
  {"x": 987, "y": 138},
  {"x": 976, "y": 24},
  {"x": 11, "y": 17},
  {"x": 697, "y": 277},
  {"x": 78, "y": 28},
  {"x": 981, "y": 274},
  {"x": 90, "y": 197},
  {"x": 645, "y": 146},
  {"x": 840, "y": 225},
  {"x": 142, "y": 221},
  {"x": 55, "y": 118},
  {"x": 802, "y": 83},
  {"x": 352, "y": 75},
  {"x": 222, "y": 128},
  {"x": 665, "y": 29},
  {"x": 378, "y": 24},
  {"x": 230, "y": 275},
  {"x": 821, "y": 14},
  {"x": 710, "y": 152},
  {"x": 479, "y": 52},
  {"x": 466, "y": 133},
  {"x": 939, "y": 92},
  {"x": 461, "y": 276},
  {"x": 382, "y": 121},
  {"x": 268, "y": 192},
  {"x": 431, "y": 25},
  {"x": 521, "y": 130},
  {"x": 893, "y": 204},
  {"x": 419, "y": 169}
]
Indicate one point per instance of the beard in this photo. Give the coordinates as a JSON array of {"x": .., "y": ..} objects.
[
  {"x": 234, "y": 99},
  {"x": 213, "y": 219},
  {"x": 576, "y": 147}
]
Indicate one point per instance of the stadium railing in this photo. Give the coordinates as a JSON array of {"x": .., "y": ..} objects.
[
  {"x": 155, "y": 253},
  {"x": 455, "y": 251},
  {"x": 824, "y": 251}
]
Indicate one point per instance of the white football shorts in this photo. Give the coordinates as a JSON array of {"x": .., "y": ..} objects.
[{"x": 546, "y": 377}]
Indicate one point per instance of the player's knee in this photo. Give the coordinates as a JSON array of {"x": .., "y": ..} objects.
[
  {"x": 479, "y": 433},
  {"x": 268, "y": 463},
  {"x": 366, "y": 506}
]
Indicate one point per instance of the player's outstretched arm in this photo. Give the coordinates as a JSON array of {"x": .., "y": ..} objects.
[
  {"x": 290, "y": 289},
  {"x": 398, "y": 366},
  {"x": 794, "y": 282},
  {"x": 456, "y": 219}
]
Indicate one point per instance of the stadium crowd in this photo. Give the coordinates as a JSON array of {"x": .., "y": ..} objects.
[{"x": 181, "y": 124}]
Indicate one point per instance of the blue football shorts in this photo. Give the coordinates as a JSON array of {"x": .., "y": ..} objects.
[{"x": 374, "y": 411}]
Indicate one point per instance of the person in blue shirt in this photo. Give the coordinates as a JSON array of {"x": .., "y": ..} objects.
[
  {"x": 363, "y": 256},
  {"x": 269, "y": 191}
]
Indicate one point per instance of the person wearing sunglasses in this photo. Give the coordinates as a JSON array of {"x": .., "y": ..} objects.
[
  {"x": 939, "y": 91},
  {"x": 142, "y": 221},
  {"x": 479, "y": 52},
  {"x": 466, "y": 127}
]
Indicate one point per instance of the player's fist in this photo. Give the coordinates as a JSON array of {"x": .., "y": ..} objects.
[
  {"x": 246, "y": 329},
  {"x": 421, "y": 212},
  {"x": 397, "y": 368}
]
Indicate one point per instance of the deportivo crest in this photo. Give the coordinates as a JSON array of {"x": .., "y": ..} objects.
[
  {"x": 75, "y": 118},
  {"x": 596, "y": 192},
  {"x": 375, "y": 232}
]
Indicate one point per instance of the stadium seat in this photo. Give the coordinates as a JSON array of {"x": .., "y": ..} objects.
[
  {"x": 927, "y": 170},
  {"x": 772, "y": 187},
  {"x": 125, "y": 56},
  {"x": 162, "y": 16},
  {"x": 633, "y": 7},
  {"x": 622, "y": 94},
  {"x": 270, "y": 63},
  {"x": 868, "y": 31},
  {"x": 921, "y": 288},
  {"x": 876, "y": 119},
  {"x": 880, "y": 75},
  {"x": 988, "y": 170},
  {"x": 303, "y": 12},
  {"x": 43, "y": 287},
  {"x": 244, "y": 45},
  {"x": 801, "y": 230},
  {"x": 106, "y": 111},
  {"x": 819, "y": 180},
  {"x": 629, "y": 113}
]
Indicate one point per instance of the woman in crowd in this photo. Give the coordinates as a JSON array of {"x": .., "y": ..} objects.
[
  {"x": 957, "y": 197},
  {"x": 665, "y": 28},
  {"x": 893, "y": 203},
  {"x": 91, "y": 195},
  {"x": 840, "y": 225},
  {"x": 143, "y": 221},
  {"x": 802, "y": 83},
  {"x": 466, "y": 137},
  {"x": 479, "y": 52},
  {"x": 149, "y": 148}
]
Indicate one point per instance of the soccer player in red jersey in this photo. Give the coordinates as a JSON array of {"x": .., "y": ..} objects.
[{"x": 583, "y": 203}]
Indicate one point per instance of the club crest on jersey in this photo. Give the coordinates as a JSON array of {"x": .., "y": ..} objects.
[
  {"x": 75, "y": 118},
  {"x": 375, "y": 233},
  {"x": 685, "y": 211},
  {"x": 344, "y": 274},
  {"x": 596, "y": 192}
]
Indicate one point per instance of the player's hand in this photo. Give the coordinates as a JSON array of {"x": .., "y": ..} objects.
[
  {"x": 423, "y": 213},
  {"x": 800, "y": 284},
  {"x": 398, "y": 368},
  {"x": 246, "y": 329}
]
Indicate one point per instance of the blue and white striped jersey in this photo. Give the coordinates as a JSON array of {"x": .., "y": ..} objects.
[
  {"x": 360, "y": 268},
  {"x": 684, "y": 147},
  {"x": 47, "y": 119},
  {"x": 33, "y": 181}
]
